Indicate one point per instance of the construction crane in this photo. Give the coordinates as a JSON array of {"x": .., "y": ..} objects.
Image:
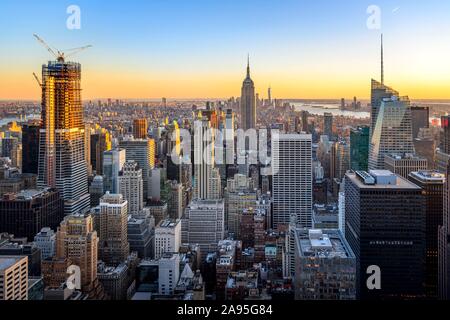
[
  {"x": 60, "y": 55},
  {"x": 37, "y": 79}
]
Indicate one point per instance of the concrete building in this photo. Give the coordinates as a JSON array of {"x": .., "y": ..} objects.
[
  {"x": 203, "y": 224},
  {"x": 325, "y": 266},
  {"x": 292, "y": 179},
  {"x": 404, "y": 164},
  {"x": 131, "y": 186},
  {"x": 111, "y": 223},
  {"x": 169, "y": 273},
  {"x": 46, "y": 241},
  {"x": 167, "y": 237},
  {"x": 13, "y": 278}
]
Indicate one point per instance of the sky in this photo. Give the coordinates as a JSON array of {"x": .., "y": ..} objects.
[{"x": 148, "y": 49}]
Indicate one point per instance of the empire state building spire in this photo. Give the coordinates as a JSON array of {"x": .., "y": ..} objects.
[
  {"x": 248, "y": 66},
  {"x": 248, "y": 101}
]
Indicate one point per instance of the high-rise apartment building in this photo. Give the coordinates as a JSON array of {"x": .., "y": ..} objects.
[
  {"x": 385, "y": 227},
  {"x": 248, "y": 103},
  {"x": 62, "y": 160},
  {"x": 131, "y": 186},
  {"x": 292, "y": 179}
]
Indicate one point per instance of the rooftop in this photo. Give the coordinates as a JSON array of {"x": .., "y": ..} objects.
[
  {"x": 380, "y": 179},
  {"x": 8, "y": 261},
  {"x": 322, "y": 244},
  {"x": 428, "y": 176}
]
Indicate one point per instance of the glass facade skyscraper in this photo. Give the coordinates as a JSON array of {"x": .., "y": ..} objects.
[
  {"x": 359, "y": 148},
  {"x": 392, "y": 131},
  {"x": 62, "y": 163}
]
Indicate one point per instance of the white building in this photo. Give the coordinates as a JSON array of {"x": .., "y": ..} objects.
[
  {"x": 167, "y": 237},
  {"x": 292, "y": 179},
  {"x": 169, "y": 273},
  {"x": 46, "y": 241},
  {"x": 131, "y": 186}
]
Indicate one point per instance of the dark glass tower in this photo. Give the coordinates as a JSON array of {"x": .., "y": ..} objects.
[{"x": 385, "y": 227}]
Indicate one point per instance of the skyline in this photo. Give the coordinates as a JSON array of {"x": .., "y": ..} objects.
[{"x": 296, "y": 51}]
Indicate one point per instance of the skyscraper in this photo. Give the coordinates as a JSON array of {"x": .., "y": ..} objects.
[
  {"x": 140, "y": 128},
  {"x": 444, "y": 243},
  {"x": 385, "y": 227},
  {"x": 30, "y": 147},
  {"x": 142, "y": 151},
  {"x": 111, "y": 221},
  {"x": 113, "y": 161},
  {"x": 203, "y": 157},
  {"x": 359, "y": 149},
  {"x": 131, "y": 186},
  {"x": 62, "y": 162},
  {"x": 432, "y": 184},
  {"x": 328, "y": 125},
  {"x": 292, "y": 179},
  {"x": 420, "y": 119},
  {"x": 392, "y": 132},
  {"x": 77, "y": 240},
  {"x": 100, "y": 142},
  {"x": 229, "y": 138},
  {"x": 248, "y": 103}
]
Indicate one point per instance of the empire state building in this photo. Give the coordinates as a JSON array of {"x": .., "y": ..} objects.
[{"x": 248, "y": 102}]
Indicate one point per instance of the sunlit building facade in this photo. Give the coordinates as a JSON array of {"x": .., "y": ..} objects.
[{"x": 62, "y": 162}]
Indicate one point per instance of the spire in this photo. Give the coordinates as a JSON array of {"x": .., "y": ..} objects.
[
  {"x": 382, "y": 61},
  {"x": 248, "y": 66}
]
